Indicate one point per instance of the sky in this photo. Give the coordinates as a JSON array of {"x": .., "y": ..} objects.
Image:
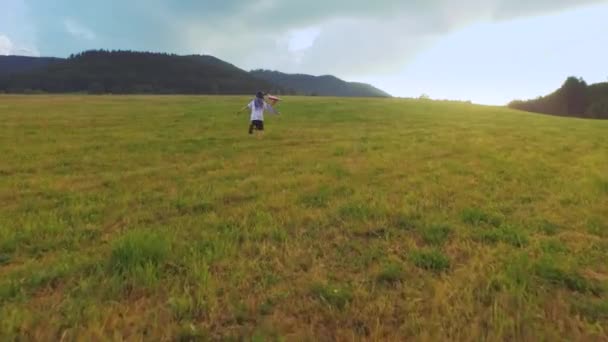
[{"x": 485, "y": 51}]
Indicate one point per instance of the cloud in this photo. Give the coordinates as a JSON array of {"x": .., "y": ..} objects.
[
  {"x": 77, "y": 30},
  {"x": 496, "y": 62},
  {"x": 302, "y": 39},
  {"x": 351, "y": 37},
  {"x": 345, "y": 37},
  {"x": 17, "y": 33},
  {"x": 7, "y": 47}
]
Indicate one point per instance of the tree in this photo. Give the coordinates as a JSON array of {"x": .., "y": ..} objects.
[
  {"x": 574, "y": 96},
  {"x": 598, "y": 110}
]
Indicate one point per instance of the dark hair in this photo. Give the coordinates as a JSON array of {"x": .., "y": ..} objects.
[{"x": 259, "y": 100}]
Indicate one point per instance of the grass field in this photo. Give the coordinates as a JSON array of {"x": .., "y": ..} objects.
[{"x": 159, "y": 218}]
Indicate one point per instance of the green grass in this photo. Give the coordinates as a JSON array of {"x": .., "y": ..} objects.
[
  {"x": 160, "y": 218},
  {"x": 436, "y": 234},
  {"x": 505, "y": 234},
  {"x": 334, "y": 296},
  {"x": 139, "y": 255},
  {"x": 476, "y": 216},
  {"x": 391, "y": 273},
  {"x": 572, "y": 280},
  {"x": 431, "y": 260}
]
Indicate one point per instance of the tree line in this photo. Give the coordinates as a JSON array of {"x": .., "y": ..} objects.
[
  {"x": 574, "y": 98},
  {"x": 126, "y": 72},
  {"x": 131, "y": 72}
]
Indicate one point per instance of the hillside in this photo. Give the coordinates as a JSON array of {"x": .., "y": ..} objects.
[
  {"x": 125, "y": 72},
  {"x": 319, "y": 85},
  {"x": 158, "y": 218},
  {"x": 121, "y": 72},
  {"x": 19, "y": 64},
  {"x": 574, "y": 98}
]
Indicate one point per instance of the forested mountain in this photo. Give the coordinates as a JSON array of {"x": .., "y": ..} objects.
[
  {"x": 124, "y": 72},
  {"x": 128, "y": 72},
  {"x": 18, "y": 64}
]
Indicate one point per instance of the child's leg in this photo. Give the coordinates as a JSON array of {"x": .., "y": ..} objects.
[
  {"x": 251, "y": 128},
  {"x": 260, "y": 127}
]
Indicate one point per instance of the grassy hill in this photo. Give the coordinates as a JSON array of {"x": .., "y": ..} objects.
[
  {"x": 326, "y": 85},
  {"x": 374, "y": 219}
]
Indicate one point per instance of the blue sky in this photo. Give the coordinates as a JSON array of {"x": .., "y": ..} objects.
[{"x": 486, "y": 51}]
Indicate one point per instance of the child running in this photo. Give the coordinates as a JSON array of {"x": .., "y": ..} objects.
[{"x": 257, "y": 107}]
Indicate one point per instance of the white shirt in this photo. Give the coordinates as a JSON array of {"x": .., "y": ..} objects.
[{"x": 258, "y": 113}]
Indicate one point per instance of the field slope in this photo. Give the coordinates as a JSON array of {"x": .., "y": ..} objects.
[{"x": 159, "y": 218}]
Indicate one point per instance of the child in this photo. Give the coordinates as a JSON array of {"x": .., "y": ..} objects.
[{"x": 257, "y": 107}]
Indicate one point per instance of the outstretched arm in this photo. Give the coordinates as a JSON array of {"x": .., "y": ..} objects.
[
  {"x": 242, "y": 109},
  {"x": 271, "y": 109}
]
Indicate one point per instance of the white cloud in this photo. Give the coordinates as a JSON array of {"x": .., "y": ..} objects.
[
  {"x": 7, "y": 47},
  {"x": 496, "y": 62},
  {"x": 350, "y": 38},
  {"x": 17, "y": 32},
  {"x": 302, "y": 39},
  {"x": 78, "y": 30}
]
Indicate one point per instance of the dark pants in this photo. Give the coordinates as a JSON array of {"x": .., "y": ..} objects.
[{"x": 256, "y": 124}]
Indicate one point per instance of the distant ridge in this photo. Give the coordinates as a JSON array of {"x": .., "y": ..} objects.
[
  {"x": 17, "y": 64},
  {"x": 131, "y": 72},
  {"x": 126, "y": 72},
  {"x": 326, "y": 85}
]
